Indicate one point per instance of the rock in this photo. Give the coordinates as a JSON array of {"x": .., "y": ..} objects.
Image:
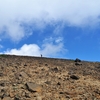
[
  {"x": 3, "y": 95},
  {"x": 78, "y": 63},
  {"x": 61, "y": 92},
  {"x": 97, "y": 91},
  {"x": 23, "y": 74},
  {"x": 58, "y": 83},
  {"x": 7, "y": 98},
  {"x": 48, "y": 82},
  {"x": 17, "y": 98},
  {"x": 27, "y": 95},
  {"x": 55, "y": 69},
  {"x": 17, "y": 76},
  {"x": 25, "y": 64},
  {"x": 74, "y": 77},
  {"x": 33, "y": 87},
  {"x": 1, "y": 74},
  {"x": 77, "y": 60},
  {"x": 46, "y": 64},
  {"x": 3, "y": 90},
  {"x": 2, "y": 84}
]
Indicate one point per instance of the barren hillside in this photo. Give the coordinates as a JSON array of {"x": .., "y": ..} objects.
[{"x": 38, "y": 78}]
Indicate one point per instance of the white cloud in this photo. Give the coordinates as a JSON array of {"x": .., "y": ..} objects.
[
  {"x": 59, "y": 39},
  {"x": 52, "y": 50},
  {"x": 48, "y": 48},
  {"x": 34, "y": 50},
  {"x": 31, "y": 49},
  {"x": 41, "y": 12}
]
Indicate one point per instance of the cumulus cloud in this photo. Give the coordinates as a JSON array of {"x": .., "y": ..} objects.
[
  {"x": 51, "y": 48},
  {"x": 38, "y": 13},
  {"x": 31, "y": 49},
  {"x": 34, "y": 50}
]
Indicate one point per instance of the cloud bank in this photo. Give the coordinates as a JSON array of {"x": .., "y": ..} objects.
[
  {"x": 38, "y": 13},
  {"x": 48, "y": 49}
]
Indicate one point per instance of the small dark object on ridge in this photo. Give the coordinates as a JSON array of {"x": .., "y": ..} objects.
[
  {"x": 77, "y": 60},
  {"x": 41, "y": 55}
]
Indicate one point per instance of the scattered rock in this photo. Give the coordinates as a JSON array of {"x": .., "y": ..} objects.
[
  {"x": 33, "y": 87},
  {"x": 55, "y": 79},
  {"x": 74, "y": 77}
]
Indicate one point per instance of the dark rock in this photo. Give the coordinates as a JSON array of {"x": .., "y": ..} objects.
[
  {"x": 78, "y": 63},
  {"x": 1, "y": 74},
  {"x": 74, "y": 77},
  {"x": 46, "y": 64},
  {"x": 27, "y": 95},
  {"x": 58, "y": 83},
  {"x": 16, "y": 67},
  {"x": 25, "y": 64},
  {"x": 77, "y": 60},
  {"x": 2, "y": 84},
  {"x": 55, "y": 69},
  {"x": 16, "y": 98},
  {"x": 48, "y": 82},
  {"x": 2, "y": 67},
  {"x": 61, "y": 92},
  {"x": 97, "y": 91},
  {"x": 3, "y": 90},
  {"x": 3, "y": 95}
]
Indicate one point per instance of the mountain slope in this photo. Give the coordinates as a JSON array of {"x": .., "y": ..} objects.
[{"x": 38, "y": 78}]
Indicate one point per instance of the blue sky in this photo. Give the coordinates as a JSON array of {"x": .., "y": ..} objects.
[{"x": 60, "y": 29}]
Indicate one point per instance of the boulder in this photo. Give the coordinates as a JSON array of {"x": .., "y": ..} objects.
[
  {"x": 77, "y": 60},
  {"x": 33, "y": 87}
]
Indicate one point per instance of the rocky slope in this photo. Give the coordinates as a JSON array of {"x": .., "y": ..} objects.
[{"x": 34, "y": 78}]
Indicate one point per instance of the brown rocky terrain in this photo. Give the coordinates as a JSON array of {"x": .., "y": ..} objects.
[{"x": 38, "y": 78}]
